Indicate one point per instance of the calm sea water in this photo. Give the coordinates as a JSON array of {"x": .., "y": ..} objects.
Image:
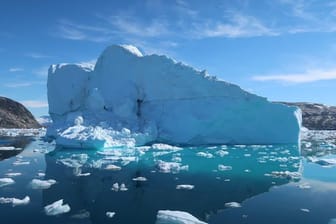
[{"x": 272, "y": 183}]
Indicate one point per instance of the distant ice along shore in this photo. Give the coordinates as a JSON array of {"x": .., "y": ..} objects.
[{"x": 129, "y": 99}]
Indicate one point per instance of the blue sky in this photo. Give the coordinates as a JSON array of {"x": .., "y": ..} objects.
[{"x": 281, "y": 49}]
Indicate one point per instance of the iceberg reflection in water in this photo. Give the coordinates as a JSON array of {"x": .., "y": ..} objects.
[{"x": 91, "y": 181}]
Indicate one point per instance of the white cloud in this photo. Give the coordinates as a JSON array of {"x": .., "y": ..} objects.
[
  {"x": 15, "y": 69},
  {"x": 308, "y": 76},
  {"x": 34, "y": 103}
]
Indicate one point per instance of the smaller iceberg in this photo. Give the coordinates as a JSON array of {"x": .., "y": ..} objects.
[
  {"x": 15, "y": 201},
  {"x": 56, "y": 208},
  {"x": 42, "y": 184}
]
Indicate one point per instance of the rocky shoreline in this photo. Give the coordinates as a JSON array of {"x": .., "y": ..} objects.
[{"x": 317, "y": 116}]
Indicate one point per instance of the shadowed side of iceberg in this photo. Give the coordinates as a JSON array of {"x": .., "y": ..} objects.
[{"x": 131, "y": 99}]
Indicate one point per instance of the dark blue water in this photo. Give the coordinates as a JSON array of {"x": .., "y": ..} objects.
[{"x": 273, "y": 184}]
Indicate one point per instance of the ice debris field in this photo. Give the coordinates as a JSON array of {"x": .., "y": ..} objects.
[
  {"x": 132, "y": 99},
  {"x": 161, "y": 183}
]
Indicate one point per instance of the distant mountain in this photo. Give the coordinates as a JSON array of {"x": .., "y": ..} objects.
[
  {"x": 317, "y": 116},
  {"x": 44, "y": 121},
  {"x": 15, "y": 115}
]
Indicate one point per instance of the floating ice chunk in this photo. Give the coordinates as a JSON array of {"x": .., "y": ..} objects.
[
  {"x": 176, "y": 217},
  {"x": 304, "y": 186},
  {"x": 305, "y": 209},
  {"x": 9, "y": 148},
  {"x": 160, "y": 146},
  {"x": 110, "y": 214},
  {"x": 233, "y": 205},
  {"x": 40, "y": 174},
  {"x": 222, "y": 167},
  {"x": 6, "y": 181},
  {"x": 42, "y": 184},
  {"x": 13, "y": 174},
  {"x": 82, "y": 214},
  {"x": 286, "y": 174},
  {"x": 205, "y": 155},
  {"x": 123, "y": 187},
  {"x": 185, "y": 187},
  {"x": 222, "y": 153},
  {"x": 15, "y": 201},
  {"x": 170, "y": 167},
  {"x": 56, "y": 208},
  {"x": 115, "y": 187},
  {"x": 325, "y": 162},
  {"x": 112, "y": 167},
  {"x": 141, "y": 179},
  {"x": 20, "y": 163}
]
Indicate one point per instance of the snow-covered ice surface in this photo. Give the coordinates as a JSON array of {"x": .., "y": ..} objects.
[
  {"x": 210, "y": 183},
  {"x": 130, "y": 99}
]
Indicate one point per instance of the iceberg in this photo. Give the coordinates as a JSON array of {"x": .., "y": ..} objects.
[
  {"x": 42, "y": 184},
  {"x": 131, "y": 99}
]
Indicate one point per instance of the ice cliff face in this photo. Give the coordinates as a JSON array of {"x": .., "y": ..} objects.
[{"x": 131, "y": 99}]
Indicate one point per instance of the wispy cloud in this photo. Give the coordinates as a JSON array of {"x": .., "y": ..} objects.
[
  {"x": 306, "y": 77},
  {"x": 130, "y": 25},
  {"x": 238, "y": 26},
  {"x": 16, "y": 70},
  {"x": 37, "y": 55},
  {"x": 34, "y": 103},
  {"x": 42, "y": 71},
  {"x": 22, "y": 84}
]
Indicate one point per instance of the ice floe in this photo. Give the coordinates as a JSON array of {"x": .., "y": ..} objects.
[
  {"x": 56, "y": 208},
  {"x": 222, "y": 167},
  {"x": 6, "y": 181},
  {"x": 42, "y": 184},
  {"x": 170, "y": 167},
  {"x": 13, "y": 174},
  {"x": 110, "y": 214},
  {"x": 15, "y": 201},
  {"x": 185, "y": 187},
  {"x": 176, "y": 217},
  {"x": 140, "y": 179},
  {"x": 205, "y": 155},
  {"x": 232, "y": 204}
]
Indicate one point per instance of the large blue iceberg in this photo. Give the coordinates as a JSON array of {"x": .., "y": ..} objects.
[{"x": 129, "y": 99}]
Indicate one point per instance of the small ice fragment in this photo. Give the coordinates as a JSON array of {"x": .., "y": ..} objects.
[
  {"x": 222, "y": 167},
  {"x": 227, "y": 180},
  {"x": 123, "y": 187},
  {"x": 8, "y": 148},
  {"x": 305, "y": 209},
  {"x": 304, "y": 186},
  {"x": 83, "y": 174},
  {"x": 176, "y": 217},
  {"x": 205, "y": 155},
  {"x": 15, "y": 201},
  {"x": 82, "y": 214},
  {"x": 13, "y": 174},
  {"x": 115, "y": 187},
  {"x": 185, "y": 187},
  {"x": 42, "y": 184},
  {"x": 40, "y": 174},
  {"x": 112, "y": 167},
  {"x": 6, "y": 181},
  {"x": 247, "y": 171},
  {"x": 110, "y": 214},
  {"x": 232, "y": 205},
  {"x": 140, "y": 179},
  {"x": 56, "y": 208},
  {"x": 222, "y": 153},
  {"x": 20, "y": 163},
  {"x": 160, "y": 146}
]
